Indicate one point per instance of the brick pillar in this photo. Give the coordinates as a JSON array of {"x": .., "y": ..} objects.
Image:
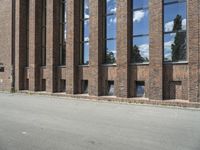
[
  {"x": 52, "y": 43},
  {"x": 73, "y": 46},
  {"x": 96, "y": 47},
  {"x": 156, "y": 50},
  {"x": 20, "y": 42},
  {"x": 199, "y": 46},
  {"x": 193, "y": 52},
  {"x": 123, "y": 47},
  {"x": 34, "y": 44}
]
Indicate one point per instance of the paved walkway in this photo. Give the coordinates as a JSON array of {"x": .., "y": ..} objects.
[{"x": 51, "y": 123}]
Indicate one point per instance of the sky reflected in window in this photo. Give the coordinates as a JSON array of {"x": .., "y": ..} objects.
[
  {"x": 86, "y": 33},
  {"x": 111, "y": 20},
  {"x": 140, "y": 27},
  {"x": 175, "y": 24}
]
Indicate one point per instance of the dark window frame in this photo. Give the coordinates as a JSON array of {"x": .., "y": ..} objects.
[
  {"x": 62, "y": 41},
  {"x": 27, "y": 33},
  {"x": 43, "y": 32}
]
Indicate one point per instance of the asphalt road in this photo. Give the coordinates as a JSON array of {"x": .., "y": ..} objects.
[{"x": 51, "y": 123}]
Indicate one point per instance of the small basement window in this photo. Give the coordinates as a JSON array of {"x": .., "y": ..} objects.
[
  {"x": 62, "y": 85},
  {"x": 1, "y": 67},
  {"x": 26, "y": 86},
  {"x": 84, "y": 87},
  {"x": 111, "y": 88},
  {"x": 140, "y": 89},
  {"x": 175, "y": 91},
  {"x": 43, "y": 84}
]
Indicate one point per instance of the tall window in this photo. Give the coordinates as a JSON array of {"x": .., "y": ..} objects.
[
  {"x": 85, "y": 29},
  {"x": 63, "y": 32},
  {"x": 140, "y": 31},
  {"x": 43, "y": 52},
  {"x": 175, "y": 23},
  {"x": 110, "y": 31},
  {"x": 27, "y": 34}
]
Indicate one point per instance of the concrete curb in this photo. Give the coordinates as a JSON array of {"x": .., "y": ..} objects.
[{"x": 173, "y": 103}]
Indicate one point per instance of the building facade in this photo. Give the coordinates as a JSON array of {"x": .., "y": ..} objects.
[{"x": 122, "y": 48}]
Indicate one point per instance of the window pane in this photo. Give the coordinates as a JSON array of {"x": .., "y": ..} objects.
[
  {"x": 175, "y": 46},
  {"x": 171, "y": 12},
  {"x": 175, "y": 24},
  {"x": 140, "y": 50},
  {"x": 111, "y": 51},
  {"x": 140, "y": 89},
  {"x": 86, "y": 30},
  {"x": 86, "y": 53},
  {"x": 140, "y": 22},
  {"x": 111, "y": 26},
  {"x": 65, "y": 22},
  {"x": 111, "y": 6},
  {"x": 86, "y": 9},
  {"x": 63, "y": 55},
  {"x": 43, "y": 46},
  {"x": 65, "y": 32},
  {"x": 140, "y": 4},
  {"x": 84, "y": 86},
  {"x": 111, "y": 88}
]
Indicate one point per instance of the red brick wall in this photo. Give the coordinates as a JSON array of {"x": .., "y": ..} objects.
[
  {"x": 5, "y": 43},
  {"x": 159, "y": 78}
]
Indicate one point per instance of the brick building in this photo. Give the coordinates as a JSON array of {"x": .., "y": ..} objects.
[{"x": 126, "y": 48}]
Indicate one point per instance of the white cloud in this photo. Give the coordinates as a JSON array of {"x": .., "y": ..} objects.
[
  {"x": 86, "y": 22},
  {"x": 86, "y": 38},
  {"x": 168, "y": 44},
  {"x": 113, "y": 10},
  {"x": 113, "y": 51},
  {"x": 169, "y": 25},
  {"x": 138, "y": 15},
  {"x": 168, "y": 55},
  {"x": 168, "y": 50},
  {"x": 86, "y": 15},
  {"x": 113, "y": 20},
  {"x": 184, "y": 24},
  {"x": 87, "y": 5},
  {"x": 86, "y": 11},
  {"x": 144, "y": 50}
]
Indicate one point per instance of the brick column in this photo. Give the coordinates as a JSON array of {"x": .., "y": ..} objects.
[
  {"x": 199, "y": 45},
  {"x": 34, "y": 44},
  {"x": 20, "y": 42},
  {"x": 193, "y": 50},
  {"x": 73, "y": 46},
  {"x": 156, "y": 50},
  {"x": 123, "y": 47},
  {"x": 52, "y": 43},
  {"x": 96, "y": 47}
]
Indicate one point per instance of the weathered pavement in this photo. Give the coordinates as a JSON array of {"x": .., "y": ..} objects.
[{"x": 51, "y": 123}]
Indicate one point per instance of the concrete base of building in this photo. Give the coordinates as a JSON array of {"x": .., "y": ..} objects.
[{"x": 170, "y": 103}]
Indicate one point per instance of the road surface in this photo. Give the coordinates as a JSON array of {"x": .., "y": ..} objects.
[{"x": 30, "y": 122}]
